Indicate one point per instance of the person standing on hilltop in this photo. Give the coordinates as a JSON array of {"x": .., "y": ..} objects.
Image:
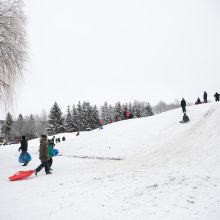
[
  {"x": 205, "y": 97},
  {"x": 183, "y": 105},
  {"x": 216, "y": 97}
]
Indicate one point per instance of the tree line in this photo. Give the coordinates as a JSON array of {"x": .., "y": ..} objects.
[{"x": 80, "y": 117}]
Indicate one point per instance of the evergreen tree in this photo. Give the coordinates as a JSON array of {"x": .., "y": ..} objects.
[
  {"x": 69, "y": 124},
  {"x": 95, "y": 118},
  {"x": 30, "y": 128},
  {"x": 105, "y": 113},
  {"x": 79, "y": 117},
  {"x": 136, "y": 109},
  {"x": 149, "y": 110},
  {"x": 119, "y": 112},
  {"x": 56, "y": 121},
  {"x": 7, "y": 126},
  {"x": 74, "y": 119}
]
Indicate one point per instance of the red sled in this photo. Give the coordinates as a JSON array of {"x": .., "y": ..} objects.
[{"x": 21, "y": 175}]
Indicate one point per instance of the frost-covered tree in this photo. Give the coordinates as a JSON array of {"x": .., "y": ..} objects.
[
  {"x": 56, "y": 121},
  {"x": 105, "y": 113},
  {"x": 12, "y": 46},
  {"x": 94, "y": 118},
  {"x": 69, "y": 123},
  {"x": 6, "y": 129},
  {"x": 18, "y": 127},
  {"x": 79, "y": 117},
  {"x": 119, "y": 112},
  {"x": 74, "y": 119},
  {"x": 136, "y": 109},
  {"x": 41, "y": 123},
  {"x": 163, "y": 106},
  {"x": 30, "y": 128}
]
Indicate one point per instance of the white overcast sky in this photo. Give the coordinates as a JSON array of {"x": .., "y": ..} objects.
[{"x": 119, "y": 50}]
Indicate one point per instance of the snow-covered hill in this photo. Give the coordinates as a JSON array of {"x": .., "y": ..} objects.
[{"x": 148, "y": 168}]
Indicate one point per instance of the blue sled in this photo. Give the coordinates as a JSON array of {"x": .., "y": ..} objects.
[
  {"x": 55, "y": 152},
  {"x": 27, "y": 156}
]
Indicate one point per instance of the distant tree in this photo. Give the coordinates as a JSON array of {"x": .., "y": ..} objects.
[
  {"x": 74, "y": 119},
  {"x": 163, "y": 106},
  {"x": 94, "y": 118},
  {"x": 69, "y": 124},
  {"x": 56, "y": 121},
  {"x": 12, "y": 46},
  {"x": 41, "y": 123},
  {"x": 80, "y": 122},
  {"x": 119, "y": 111},
  {"x": 6, "y": 129},
  {"x": 137, "y": 109},
  {"x": 18, "y": 128},
  {"x": 30, "y": 129},
  {"x": 105, "y": 113},
  {"x": 90, "y": 116}
]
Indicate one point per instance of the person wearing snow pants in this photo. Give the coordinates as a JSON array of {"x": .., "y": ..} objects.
[{"x": 44, "y": 155}]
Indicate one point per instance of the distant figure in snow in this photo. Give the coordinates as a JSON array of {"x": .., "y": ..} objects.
[
  {"x": 125, "y": 114},
  {"x": 183, "y": 105},
  {"x": 131, "y": 115},
  {"x": 44, "y": 155},
  {"x": 24, "y": 148},
  {"x": 198, "y": 101},
  {"x": 185, "y": 118},
  {"x": 216, "y": 97},
  {"x": 63, "y": 138},
  {"x": 100, "y": 124},
  {"x": 205, "y": 96},
  {"x": 77, "y": 134},
  {"x": 57, "y": 140}
]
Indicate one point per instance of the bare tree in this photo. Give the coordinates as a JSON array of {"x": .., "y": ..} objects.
[{"x": 12, "y": 47}]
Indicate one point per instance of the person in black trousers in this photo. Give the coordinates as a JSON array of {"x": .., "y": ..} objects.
[
  {"x": 24, "y": 148},
  {"x": 183, "y": 105}
]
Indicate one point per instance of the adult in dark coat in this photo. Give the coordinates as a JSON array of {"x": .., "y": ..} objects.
[
  {"x": 44, "y": 155},
  {"x": 23, "y": 148},
  {"x": 205, "y": 96},
  {"x": 216, "y": 97},
  {"x": 183, "y": 105}
]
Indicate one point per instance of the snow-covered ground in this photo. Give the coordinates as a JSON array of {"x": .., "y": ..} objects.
[{"x": 151, "y": 168}]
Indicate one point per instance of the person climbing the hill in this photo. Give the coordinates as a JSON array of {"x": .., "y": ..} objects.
[
  {"x": 216, "y": 97},
  {"x": 198, "y": 101},
  {"x": 24, "y": 148},
  {"x": 44, "y": 155},
  {"x": 185, "y": 118},
  {"x": 205, "y": 97},
  {"x": 183, "y": 105}
]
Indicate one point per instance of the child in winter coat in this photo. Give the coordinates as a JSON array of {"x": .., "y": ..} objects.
[{"x": 50, "y": 151}]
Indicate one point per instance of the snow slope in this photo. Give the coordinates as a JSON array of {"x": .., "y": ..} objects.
[{"x": 148, "y": 168}]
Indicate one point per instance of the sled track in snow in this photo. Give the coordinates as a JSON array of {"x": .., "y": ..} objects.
[{"x": 96, "y": 158}]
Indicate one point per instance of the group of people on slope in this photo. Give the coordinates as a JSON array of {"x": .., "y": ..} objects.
[
  {"x": 45, "y": 153},
  {"x": 198, "y": 101},
  {"x": 205, "y": 98}
]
